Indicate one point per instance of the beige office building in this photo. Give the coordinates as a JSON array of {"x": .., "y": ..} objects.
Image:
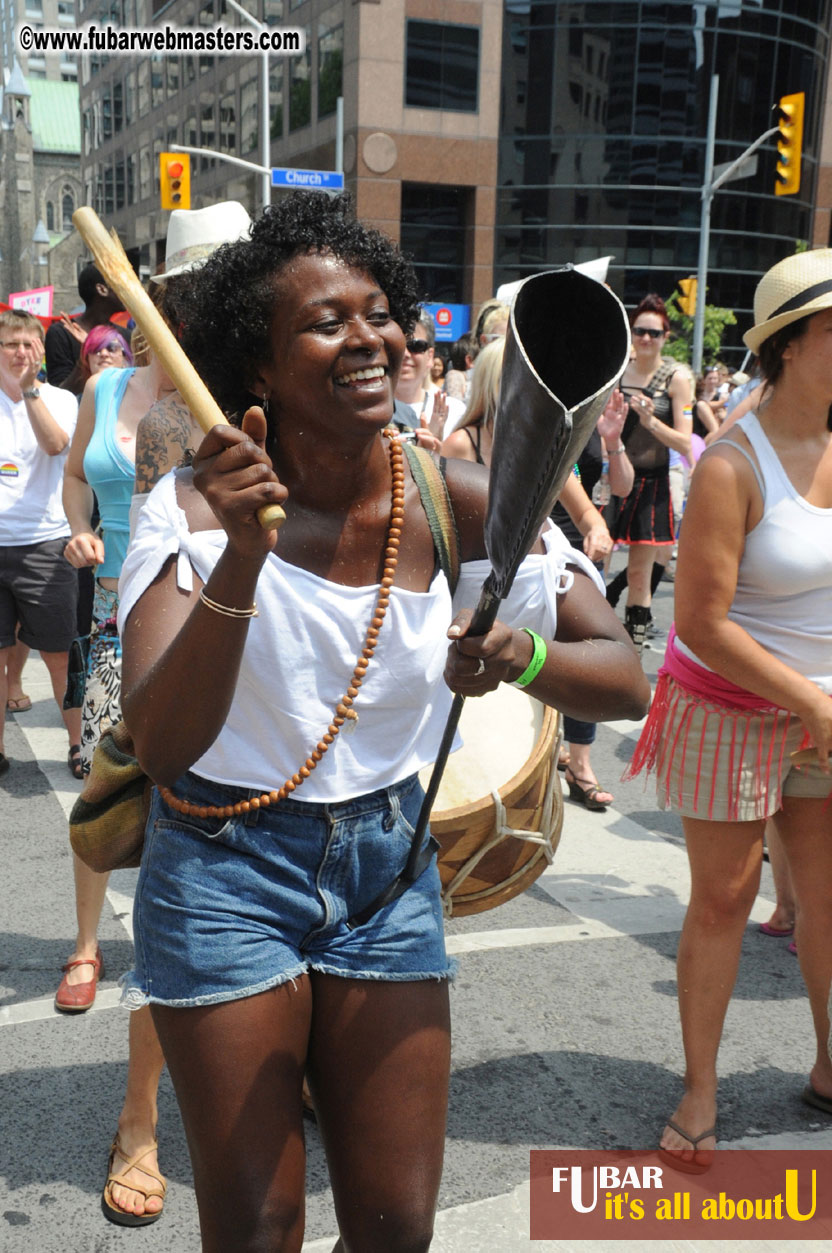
[{"x": 420, "y": 82}]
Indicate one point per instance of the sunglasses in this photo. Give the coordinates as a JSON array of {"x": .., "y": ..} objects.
[
  {"x": 417, "y": 346},
  {"x": 648, "y": 330},
  {"x": 113, "y": 346}
]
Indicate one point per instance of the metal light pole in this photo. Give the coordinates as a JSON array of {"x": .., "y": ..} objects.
[
  {"x": 709, "y": 188},
  {"x": 704, "y": 230},
  {"x": 265, "y": 128}
]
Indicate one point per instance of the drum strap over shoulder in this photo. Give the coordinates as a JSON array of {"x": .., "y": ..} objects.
[{"x": 436, "y": 502}]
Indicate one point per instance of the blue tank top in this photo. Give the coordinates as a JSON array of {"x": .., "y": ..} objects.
[{"x": 109, "y": 473}]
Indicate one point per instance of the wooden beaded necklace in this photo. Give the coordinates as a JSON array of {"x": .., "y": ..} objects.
[{"x": 344, "y": 711}]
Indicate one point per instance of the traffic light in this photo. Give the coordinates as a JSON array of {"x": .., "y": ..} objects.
[
  {"x": 687, "y": 301},
  {"x": 789, "y": 143},
  {"x": 175, "y": 180}
]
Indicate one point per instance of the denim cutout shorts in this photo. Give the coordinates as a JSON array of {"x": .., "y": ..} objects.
[{"x": 227, "y": 909}]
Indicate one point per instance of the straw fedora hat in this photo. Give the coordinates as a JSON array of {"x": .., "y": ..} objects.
[
  {"x": 791, "y": 290},
  {"x": 194, "y": 234}
]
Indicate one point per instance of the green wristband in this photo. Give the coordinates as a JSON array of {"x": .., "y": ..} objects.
[{"x": 536, "y": 664}]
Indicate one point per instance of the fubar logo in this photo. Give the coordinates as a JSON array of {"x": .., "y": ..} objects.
[{"x": 746, "y": 1194}]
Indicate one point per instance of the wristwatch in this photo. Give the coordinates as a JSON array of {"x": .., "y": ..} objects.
[{"x": 32, "y": 394}]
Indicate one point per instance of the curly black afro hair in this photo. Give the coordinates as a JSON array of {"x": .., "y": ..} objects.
[{"x": 225, "y": 309}]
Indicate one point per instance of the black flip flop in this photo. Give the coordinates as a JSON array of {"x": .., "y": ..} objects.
[{"x": 73, "y": 760}]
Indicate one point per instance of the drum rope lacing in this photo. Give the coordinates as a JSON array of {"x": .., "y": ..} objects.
[{"x": 548, "y": 824}]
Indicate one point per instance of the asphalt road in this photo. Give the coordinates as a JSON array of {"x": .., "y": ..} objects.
[{"x": 564, "y": 1012}]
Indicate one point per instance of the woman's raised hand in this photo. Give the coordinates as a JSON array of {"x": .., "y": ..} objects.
[
  {"x": 234, "y": 473},
  {"x": 611, "y": 421}
]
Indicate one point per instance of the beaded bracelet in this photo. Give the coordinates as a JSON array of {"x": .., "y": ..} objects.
[
  {"x": 536, "y": 664},
  {"x": 226, "y": 610},
  {"x": 615, "y": 452}
]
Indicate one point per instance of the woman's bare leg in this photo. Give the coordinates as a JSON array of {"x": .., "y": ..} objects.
[
  {"x": 237, "y": 1069},
  {"x": 725, "y": 861},
  {"x": 137, "y": 1121},
  {"x": 639, "y": 569},
  {"x": 378, "y": 1066},
  {"x": 805, "y": 827},
  {"x": 784, "y": 909},
  {"x": 90, "y": 889}
]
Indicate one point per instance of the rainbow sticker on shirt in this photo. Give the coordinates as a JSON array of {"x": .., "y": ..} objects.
[{"x": 8, "y": 470}]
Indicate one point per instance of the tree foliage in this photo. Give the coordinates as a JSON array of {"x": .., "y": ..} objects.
[{"x": 680, "y": 346}]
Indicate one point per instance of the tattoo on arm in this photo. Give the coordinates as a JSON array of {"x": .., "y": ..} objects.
[{"x": 165, "y": 439}]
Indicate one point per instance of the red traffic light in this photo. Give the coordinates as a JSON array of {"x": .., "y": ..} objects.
[{"x": 175, "y": 180}]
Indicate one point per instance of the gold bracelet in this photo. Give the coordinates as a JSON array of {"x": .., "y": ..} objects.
[{"x": 226, "y": 610}]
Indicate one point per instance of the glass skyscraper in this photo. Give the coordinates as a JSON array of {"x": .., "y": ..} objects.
[{"x": 604, "y": 114}]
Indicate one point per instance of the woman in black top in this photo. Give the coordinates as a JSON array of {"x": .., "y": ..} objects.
[{"x": 658, "y": 420}]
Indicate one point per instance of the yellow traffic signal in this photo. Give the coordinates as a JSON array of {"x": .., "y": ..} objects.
[
  {"x": 687, "y": 301},
  {"x": 175, "y": 180},
  {"x": 790, "y": 143}
]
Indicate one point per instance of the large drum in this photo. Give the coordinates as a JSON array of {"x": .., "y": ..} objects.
[{"x": 499, "y": 811}]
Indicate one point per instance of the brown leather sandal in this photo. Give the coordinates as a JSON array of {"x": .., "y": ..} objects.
[
  {"x": 587, "y": 796},
  {"x": 113, "y": 1212}
]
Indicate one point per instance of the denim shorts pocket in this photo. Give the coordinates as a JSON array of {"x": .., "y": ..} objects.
[{"x": 216, "y": 830}]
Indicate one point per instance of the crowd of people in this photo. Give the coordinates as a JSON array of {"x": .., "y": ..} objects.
[{"x": 287, "y": 776}]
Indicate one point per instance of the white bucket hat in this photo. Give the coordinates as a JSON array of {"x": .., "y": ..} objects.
[
  {"x": 791, "y": 290},
  {"x": 194, "y": 234}
]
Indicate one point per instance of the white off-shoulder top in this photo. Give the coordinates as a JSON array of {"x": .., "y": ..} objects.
[{"x": 301, "y": 650}]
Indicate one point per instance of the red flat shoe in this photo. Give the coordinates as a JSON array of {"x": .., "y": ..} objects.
[{"x": 75, "y": 998}]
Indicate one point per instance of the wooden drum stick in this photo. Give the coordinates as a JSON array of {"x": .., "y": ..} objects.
[{"x": 111, "y": 260}]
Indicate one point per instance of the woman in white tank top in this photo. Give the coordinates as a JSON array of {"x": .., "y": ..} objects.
[{"x": 746, "y": 685}]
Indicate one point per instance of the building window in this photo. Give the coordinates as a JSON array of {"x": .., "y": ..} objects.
[
  {"x": 144, "y": 88},
  {"x": 50, "y": 216},
  {"x": 130, "y": 98},
  {"x": 118, "y": 106},
  {"x": 228, "y": 123},
  {"x": 442, "y": 66},
  {"x": 249, "y": 128},
  {"x": 172, "y": 65},
  {"x": 67, "y": 209},
  {"x": 330, "y": 66},
  {"x": 276, "y": 99},
  {"x": 145, "y": 179},
  {"x": 157, "y": 79},
  {"x": 300, "y": 89},
  {"x": 69, "y": 73},
  {"x": 433, "y": 232},
  {"x": 272, "y": 11},
  {"x": 106, "y": 114},
  {"x": 208, "y": 129},
  {"x": 206, "y": 18}
]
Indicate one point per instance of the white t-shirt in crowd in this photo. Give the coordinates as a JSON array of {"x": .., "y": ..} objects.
[{"x": 31, "y": 482}]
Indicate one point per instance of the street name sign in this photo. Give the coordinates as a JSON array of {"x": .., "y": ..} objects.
[{"x": 324, "y": 180}]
